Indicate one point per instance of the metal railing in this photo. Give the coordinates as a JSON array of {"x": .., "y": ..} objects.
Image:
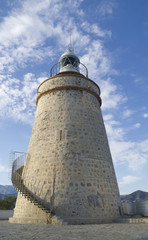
[
  {"x": 27, "y": 192},
  {"x": 56, "y": 69},
  {"x": 21, "y": 156}
]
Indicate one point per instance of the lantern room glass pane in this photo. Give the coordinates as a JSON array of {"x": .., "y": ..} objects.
[{"x": 69, "y": 60}]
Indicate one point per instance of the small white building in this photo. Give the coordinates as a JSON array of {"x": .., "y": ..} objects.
[
  {"x": 142, "y": 207},
  {"x": 139, "y": 207},
  {"x": 129, "y": 208}
]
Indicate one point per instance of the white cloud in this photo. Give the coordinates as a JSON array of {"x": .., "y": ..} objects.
[
  {"x": 144, "y": 146},
  {"x": 145, "y": 115},
  {"x": 127, "y": 113},
  {"x": 31, "y": 26},
  {"x": 3, "y": 169},
  {"x": 111, "y": 95},
  {"x": 97, "y": 60},
  {"x": 132, "y": 154},
  {"x": 108, "y": 117},
  {"x": 114, "y": 130},
  {"x": 25, "y": 41},
  {"x": 137, "y": 125},
  {"x": 95, "y": 29},
  {"x": 37, "y": 31},
  {"x": 17, "y": 99},
  {"x": 133, "y": 127},
  {"x": 138, "y": 80},
  {"x": 106, "y": 7},
  {"x": 129, "y": 179},
  {"x": 26, "y": 45}
]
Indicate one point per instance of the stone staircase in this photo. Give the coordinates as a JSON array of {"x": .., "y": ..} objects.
[{"x": 20, "y": 186}]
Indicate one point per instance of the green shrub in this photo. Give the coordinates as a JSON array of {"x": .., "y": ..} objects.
[{"x": 8, "y": 203}]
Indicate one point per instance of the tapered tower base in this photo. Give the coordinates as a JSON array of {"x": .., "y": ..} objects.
[
  {"x": 27, "y": 213},
  {"x": 70, "y": 165}
]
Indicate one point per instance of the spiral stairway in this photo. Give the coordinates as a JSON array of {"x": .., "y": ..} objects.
[{"x": 19, "y": 184}]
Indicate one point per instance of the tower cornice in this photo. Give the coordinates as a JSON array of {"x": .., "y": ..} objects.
[
  {"x": 77, "y": 88},
  {"x": 69, "y": 74}
]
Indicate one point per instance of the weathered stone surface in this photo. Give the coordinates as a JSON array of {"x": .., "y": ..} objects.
[
  {"x": 69, "y": 165},
  {"x": 112, "y": 231}
]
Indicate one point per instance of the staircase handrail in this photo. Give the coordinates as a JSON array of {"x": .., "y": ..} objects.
[
  {"x": 19, "y": 184},
  {"x": 56, "y": 69}
]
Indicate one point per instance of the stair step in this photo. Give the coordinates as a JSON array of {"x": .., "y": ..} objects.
[{"x": 19, "y": 185}]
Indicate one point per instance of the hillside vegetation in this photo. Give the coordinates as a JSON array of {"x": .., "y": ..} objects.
[{"x": 8, "y": 203}]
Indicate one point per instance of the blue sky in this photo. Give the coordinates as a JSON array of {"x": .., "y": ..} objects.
[{"x": 110, "y": 37}]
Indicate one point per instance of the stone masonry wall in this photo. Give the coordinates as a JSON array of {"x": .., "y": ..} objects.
[{"x": 69, "y": 163}]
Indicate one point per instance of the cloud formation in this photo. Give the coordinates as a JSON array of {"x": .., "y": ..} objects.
[
  {"x": 127, "y": 113},
  {"x": 132, "y": 154},
  {"x": 129, "y": 179},
  {"x": 145, "y": 115},
  {"x": 3, "y": 169},
  {"x": 17, "y": 98},
  {"x": 106, "y": 7},
  {"x": 26, "y": 44},
  {"x": 36, "y": 32}
]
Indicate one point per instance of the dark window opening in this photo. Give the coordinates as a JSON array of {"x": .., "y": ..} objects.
[{"x": 60, "y": 135}]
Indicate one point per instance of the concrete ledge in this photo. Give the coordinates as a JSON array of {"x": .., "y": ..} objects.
[
  {"x": 79, "y": 221},
  {"x": 6, "y": 214},
  {"x": 131, "y": 220},
  {"x": 58, "y": 221},
  {"x": 28, "y": 221}
]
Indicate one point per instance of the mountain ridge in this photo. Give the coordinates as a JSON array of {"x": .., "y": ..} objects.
[
  {"x": 9, "y": 190},
  {"x": 6, "y": 191},
  {"x": 137, "y": 195}
]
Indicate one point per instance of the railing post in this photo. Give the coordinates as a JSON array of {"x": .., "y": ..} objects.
[{"x": 55, "y": 69}]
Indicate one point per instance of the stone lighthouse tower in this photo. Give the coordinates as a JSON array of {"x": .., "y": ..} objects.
[{"x": 68, "y": 175}]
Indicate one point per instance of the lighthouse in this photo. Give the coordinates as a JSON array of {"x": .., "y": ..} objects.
[{"x": 68, "y": 174}]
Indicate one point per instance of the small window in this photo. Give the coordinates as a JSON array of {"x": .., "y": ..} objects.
[
  {"x": 69, "y": 61},
  {"x": 60, "y": 135}
]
